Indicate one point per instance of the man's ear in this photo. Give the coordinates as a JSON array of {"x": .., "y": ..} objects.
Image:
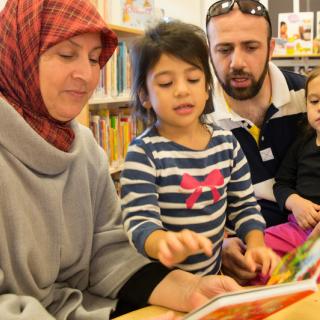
[
  {"x": 144, "y": 99},
  {"x": 272, "y": 45}
]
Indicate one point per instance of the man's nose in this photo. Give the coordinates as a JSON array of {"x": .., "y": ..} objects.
[{"x": 237, "y": 59}]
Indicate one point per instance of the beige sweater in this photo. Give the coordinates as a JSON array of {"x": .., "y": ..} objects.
[{"x": 63, "y": 252}]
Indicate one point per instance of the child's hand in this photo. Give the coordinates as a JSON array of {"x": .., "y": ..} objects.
[
  {"x": 316, "y": 231},
  {"x": 175, "y": 247},
  {"x": 305, "y": 211},
  {"x": 263, "y": 257}
]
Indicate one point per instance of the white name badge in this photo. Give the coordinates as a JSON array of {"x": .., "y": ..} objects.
[{"x": 266, "y": 154}]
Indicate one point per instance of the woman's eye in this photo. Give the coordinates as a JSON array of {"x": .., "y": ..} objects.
[
  {"x": 66, "y": 56},
  {"x": 94, "y": 61}
]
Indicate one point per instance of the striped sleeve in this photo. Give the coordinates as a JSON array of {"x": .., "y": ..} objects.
[
  {"x": 139, "y": 196},
  {"x": 243, "y": 210}
]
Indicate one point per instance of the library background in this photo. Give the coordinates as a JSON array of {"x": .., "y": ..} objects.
[{"x": 296, "y": 29}]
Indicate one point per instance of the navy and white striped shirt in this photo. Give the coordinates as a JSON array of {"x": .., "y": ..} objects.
[
  {"x": 167, "y": 186},
  {"x": 277, "y": 133}
]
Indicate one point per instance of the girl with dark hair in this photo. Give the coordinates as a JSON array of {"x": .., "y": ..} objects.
[
  {"x": 297, "y": 182},
  {"x": 183, "y": 178}
]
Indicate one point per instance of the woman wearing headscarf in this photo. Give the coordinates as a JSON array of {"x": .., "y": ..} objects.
[{"x": 63, "y": 253}]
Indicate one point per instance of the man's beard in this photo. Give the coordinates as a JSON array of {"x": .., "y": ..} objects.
[{"x": 243, "y": 93}]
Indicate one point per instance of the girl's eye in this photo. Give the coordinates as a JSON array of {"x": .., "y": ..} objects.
[
  {"x": 165, "y": 85},
  {"x": 194, "y": 80},
  {"x": 314, "y": 101}
]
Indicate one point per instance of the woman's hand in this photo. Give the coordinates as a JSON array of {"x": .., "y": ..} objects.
[
  {"x": 167, "y": 316},
  {"x": 183, "y": 291}
]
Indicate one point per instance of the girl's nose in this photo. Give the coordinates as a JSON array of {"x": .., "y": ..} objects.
[{"x": 181, "y": 88}]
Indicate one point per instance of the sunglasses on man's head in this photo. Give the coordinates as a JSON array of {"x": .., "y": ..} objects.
[{"x": 253, "y": 7}]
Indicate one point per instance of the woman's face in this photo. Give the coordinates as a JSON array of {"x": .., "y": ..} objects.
[{"x": 69, "y": 73}]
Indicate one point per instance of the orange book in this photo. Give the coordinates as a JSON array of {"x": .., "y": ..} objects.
[{"x": 294, "y": 278}]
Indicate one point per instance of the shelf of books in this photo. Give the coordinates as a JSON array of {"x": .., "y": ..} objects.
[
  {"x": 113, "y": 129},
  {"x": 301, "y": 63},
  {"x": 108, "y": 113}
]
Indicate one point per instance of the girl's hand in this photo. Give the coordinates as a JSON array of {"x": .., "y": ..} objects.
[
  {"x": 263, "y": 257},
  {"x": 305, "y": 211},
  {"x": 175, "y": 247},
  {"x": 316, "y": 231}
]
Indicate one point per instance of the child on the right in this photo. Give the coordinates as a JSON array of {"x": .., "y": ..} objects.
[{"x": 297, "y": 185}]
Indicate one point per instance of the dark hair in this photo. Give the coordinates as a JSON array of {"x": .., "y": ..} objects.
[
  {"x": 309, "y": 131},
  {"x": 181, "y": 40}
]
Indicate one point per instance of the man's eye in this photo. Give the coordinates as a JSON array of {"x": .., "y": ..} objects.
[
  {"x": 224, "y": 50},
  {"x": 251, "y": 48}
]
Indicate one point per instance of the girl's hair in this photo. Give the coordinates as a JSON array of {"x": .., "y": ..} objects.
[
  {"x": 309, "y": 131},
  {"x": 181, "y": 40}
]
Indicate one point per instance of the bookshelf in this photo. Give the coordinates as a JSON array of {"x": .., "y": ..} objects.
[
  {"x": 109, "y": 106},
  {"x": 125, "y": 32},
  {"x": 296, "y": 61},
  {"x": 107, "y": 113}
]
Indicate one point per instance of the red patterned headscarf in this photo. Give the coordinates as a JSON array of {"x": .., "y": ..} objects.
[{"x": 27, "y": 29}]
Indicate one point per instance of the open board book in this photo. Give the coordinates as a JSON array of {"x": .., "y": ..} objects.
[{"x": 294, "y": 278}]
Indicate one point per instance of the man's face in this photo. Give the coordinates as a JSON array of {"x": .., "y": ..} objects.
[{"x": 240, "y": 52}]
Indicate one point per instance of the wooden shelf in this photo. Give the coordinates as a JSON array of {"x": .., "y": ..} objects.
[
  {"x": 109, "y": 100},
  {"x": 297, "y": 61},
  {"x": 125, "y": 32},
  {"x": 286, "y": 56}
]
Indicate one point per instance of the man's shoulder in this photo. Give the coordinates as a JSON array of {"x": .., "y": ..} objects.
[{"x": 295, "y": 81}]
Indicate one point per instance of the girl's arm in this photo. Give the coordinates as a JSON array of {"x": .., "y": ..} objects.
[{"x": 139, "y": 197}]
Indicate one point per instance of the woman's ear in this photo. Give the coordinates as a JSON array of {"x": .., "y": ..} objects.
[{"x": 144, "y": 99}]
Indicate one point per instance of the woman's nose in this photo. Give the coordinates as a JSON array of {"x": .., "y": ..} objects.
[{"x": 83, "y": 70}]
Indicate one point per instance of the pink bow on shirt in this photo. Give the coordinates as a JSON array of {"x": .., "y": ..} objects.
[{"x": 213, "y": 179}]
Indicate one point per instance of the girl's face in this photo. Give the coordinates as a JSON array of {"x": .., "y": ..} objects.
[
  {"x": 313, "y": 104},
  {"x": 68, "y": 75},
  {"x": 177, "y": 93}
]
